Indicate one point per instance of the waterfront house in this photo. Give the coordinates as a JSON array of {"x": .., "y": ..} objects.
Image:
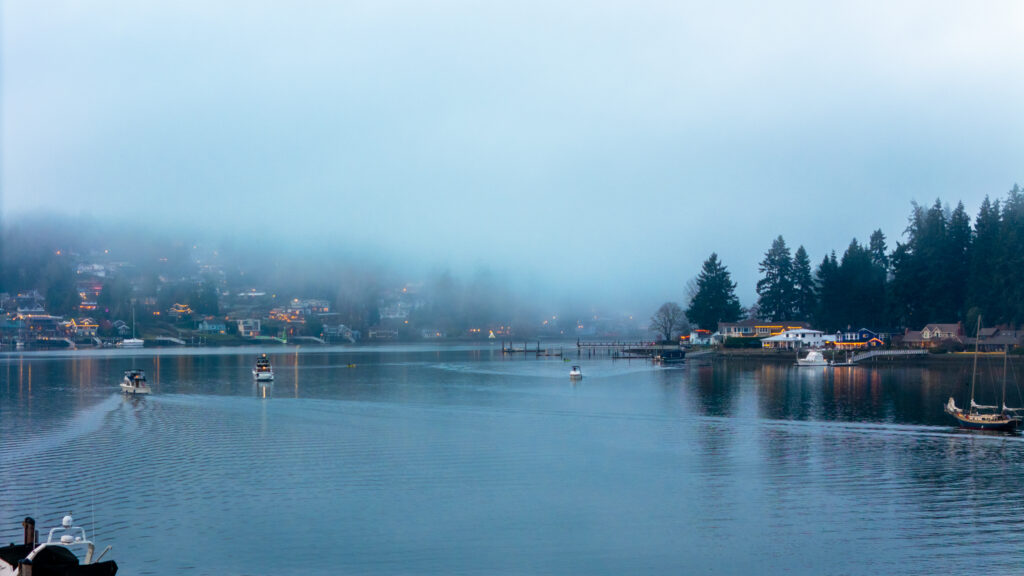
[
  {"x": 934, "y": 335},
  {"x": 179, "y": 311},
  {"x": 378, "y": 333},
  {"x": 853, "y": 339},
  {"x": 82, "y": 328},
  {"x": 996, "y": 339},
  {"x": 797, "y": 338},
  {"x": 757, "y": 328},
  {"x": 211, "y": 326},
  {"x": 30, "y": 303},
  {"x": 249, "y": 327},
  {"x": 700, "y": 338},
  {"x": 333, "y": 332},
  {"x": 122, "y": 327}
]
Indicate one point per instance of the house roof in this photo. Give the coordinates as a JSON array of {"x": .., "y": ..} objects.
[{"x": 954, "y": 328}]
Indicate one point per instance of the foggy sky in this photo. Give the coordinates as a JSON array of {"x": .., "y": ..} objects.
[{"x": 606, "y": 147}]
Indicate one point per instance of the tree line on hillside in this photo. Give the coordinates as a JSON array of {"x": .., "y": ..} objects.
[{"x": 945, "y": 271}]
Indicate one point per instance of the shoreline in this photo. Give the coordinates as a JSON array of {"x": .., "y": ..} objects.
[{"x": 789, "y": 356}]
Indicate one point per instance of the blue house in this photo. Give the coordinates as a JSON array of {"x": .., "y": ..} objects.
[{"x": 862, "y": 338}]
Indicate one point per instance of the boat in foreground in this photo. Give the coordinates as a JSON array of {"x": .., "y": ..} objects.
[
  {"x": 576, "y": 373},
  {"x": 263, "y": 372},
  {"x": 975, "y": 420},
  {"x": 813, "y": 358},
  {"x": 134, "y": 382},
  {"x": 58, "y": 555},
  {"x": 977, "y": 416}
]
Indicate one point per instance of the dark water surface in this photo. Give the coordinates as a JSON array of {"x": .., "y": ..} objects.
[{"x": 456, "y": 460}]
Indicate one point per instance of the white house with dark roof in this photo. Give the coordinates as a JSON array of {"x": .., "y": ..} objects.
[{"x": 798, "y": 338}]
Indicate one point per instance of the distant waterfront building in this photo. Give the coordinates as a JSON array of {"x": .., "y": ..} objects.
[
  {"x": 333, "y": 332},
  {"x": 798, "y": 338},
  {"x": 180, "y": 311},
  {"x": 700, "y": 338},
  {"x": 934, "y": 335},
  {"x": 996, "y": 339},
  {"x": 30, "y": 302},
  {"x": 122, "y": 327},
  {"x": 211, "y": 326},
  {"x": 757, "y": 328},
  {"x": 862, "y": 338},
  {"x": 82, "y": 327},
  {"x": 381, "y": 334},
  {"x": 431, "y": 334},
  {"x": 249, "y": 328}
]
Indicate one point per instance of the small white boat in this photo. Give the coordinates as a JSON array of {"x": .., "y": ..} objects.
[
  {"x": 60, "y": 554},
  {"x": 575, "y": 373},
  {"x": 132, "y": 342},
  {"x": 134, "y": 382},
  {"x": 263, "y": 372},
  {"x": 813, "y": 358}
]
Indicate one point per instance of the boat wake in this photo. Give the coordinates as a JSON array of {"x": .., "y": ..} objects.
[{"x": 29, "y": 442}]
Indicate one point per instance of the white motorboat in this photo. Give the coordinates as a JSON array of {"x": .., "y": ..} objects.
[
  {"x": 60, "y": 554},
  {"x": 813, "y": 358},
  {"x": 576, "y": 373},
  {"x": 263, "y": 372},
  {"x": 134, "y": 382}
]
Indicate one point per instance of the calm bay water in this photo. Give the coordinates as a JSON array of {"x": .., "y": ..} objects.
[{"x": 457, "y": 460}]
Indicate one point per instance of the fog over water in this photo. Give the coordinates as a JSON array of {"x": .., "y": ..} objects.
[{"x": 594, "y": 150}]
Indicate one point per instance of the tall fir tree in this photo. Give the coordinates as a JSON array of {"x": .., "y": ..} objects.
[
  {"x": 715, "y": 300},
  {"x": 829, "y": 294},
  {"x": 984, "y": 285},
  {"x": 862, "y": 289},
  {"x": 803, "y": 286},
  {"x": 876, "y": 245},
  {"x": 776, "y": 296},
  {"x": 957, "y": 269},
  {"x": 1011, "y": 261}
]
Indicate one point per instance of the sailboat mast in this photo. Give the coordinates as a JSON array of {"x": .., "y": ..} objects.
[
  {"x": 1006, "y": 352},
  {"x": 974, "y": 370}
]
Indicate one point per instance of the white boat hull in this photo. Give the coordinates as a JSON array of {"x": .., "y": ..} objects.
[
  {"x": 129, "y": 389},
  {"x": 263, "y": 376}
]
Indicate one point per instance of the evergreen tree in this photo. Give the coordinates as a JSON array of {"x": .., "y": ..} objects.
[
  {"x": 903, "y": 301},
  {"x": 985, "y": 283},
  {"x": 803, "y": 286},
  {"x": 862, "y": 288},
  {"x": 1011, "y": 262},
  {"x": 776, "y": 296},
  {"x": 923, "y": 284},
  {"x": 876, "y": 245},
  {"x": 829, "y": 296},
  {"x": 715, "y": 300},
  {"x": 957, "y": 265}
]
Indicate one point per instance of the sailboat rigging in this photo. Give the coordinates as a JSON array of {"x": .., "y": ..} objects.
[
  {"x": 132, "y": 342},
  {"x": 974, "y": 417}
]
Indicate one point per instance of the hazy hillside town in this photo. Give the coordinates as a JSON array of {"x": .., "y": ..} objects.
[
  {"x": 63, "y": 289},
  {"x": 63, "y": 285}
]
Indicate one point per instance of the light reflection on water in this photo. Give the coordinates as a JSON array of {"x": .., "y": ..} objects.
[{"x": 459, "y": 460}]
